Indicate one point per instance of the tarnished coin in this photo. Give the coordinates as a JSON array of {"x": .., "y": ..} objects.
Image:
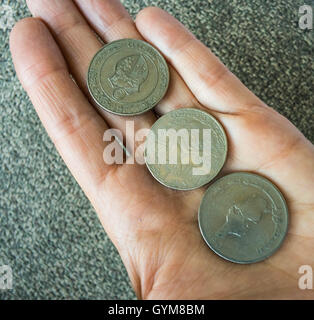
[
  {"x": 185, "y": 149},
  {"x": 243, "y": 217},
  {"x": 128, "y": 77}
]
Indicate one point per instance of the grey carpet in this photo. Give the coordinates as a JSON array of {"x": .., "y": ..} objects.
[{"x": 49, "y": 234}]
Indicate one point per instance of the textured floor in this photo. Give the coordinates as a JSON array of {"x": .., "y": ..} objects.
[{"x": 49, "y": 234}]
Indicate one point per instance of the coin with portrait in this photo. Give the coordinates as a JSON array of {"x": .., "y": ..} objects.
[
  {"x": 185, "y": 149},
  {"x": 243, "y": 217},
  {"x": 127, "y": 77}
]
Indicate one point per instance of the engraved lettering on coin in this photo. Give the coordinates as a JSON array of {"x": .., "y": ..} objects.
[
  {"x": 128, "y": 77},
  {"x": 185, "y": 149},
  {"x": 243, "y": 217}
]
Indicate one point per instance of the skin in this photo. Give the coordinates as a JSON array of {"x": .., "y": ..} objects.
[{"x": 155, "y": 229}]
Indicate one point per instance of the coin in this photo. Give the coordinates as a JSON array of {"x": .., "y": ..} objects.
[
  {"x": 128, "y": 77},
  {"x": 185, "y": 149},
  {"x": 243, "y": 217}
]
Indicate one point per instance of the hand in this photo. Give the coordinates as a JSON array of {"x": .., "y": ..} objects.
[{"x": 154, "y": 228}]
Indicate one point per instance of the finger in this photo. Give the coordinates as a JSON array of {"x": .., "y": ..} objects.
[
  {"x": 111, "y": 21},
  {"x": 79, "y": 44},
  {"x": 210, "y": 81},
  {"x": 73, "y": 125},
  {"x": 77, "y": 41},
  {"x": 178, "y": 95}
]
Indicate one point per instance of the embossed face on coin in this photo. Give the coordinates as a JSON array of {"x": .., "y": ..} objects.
[
  {"x": 243, "y": 217},
  {"x": 128, "y": 77},
  {"x": 185, "y": 149}
]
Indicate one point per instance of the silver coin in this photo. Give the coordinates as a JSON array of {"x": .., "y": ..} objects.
[
  {"x": 243, "y": 217},
  {"x": 128, "y": 77},
  {"x": 185, "y": 149}
]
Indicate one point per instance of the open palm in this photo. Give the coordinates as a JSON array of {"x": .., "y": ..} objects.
[{"x": 154, "y": 228}]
